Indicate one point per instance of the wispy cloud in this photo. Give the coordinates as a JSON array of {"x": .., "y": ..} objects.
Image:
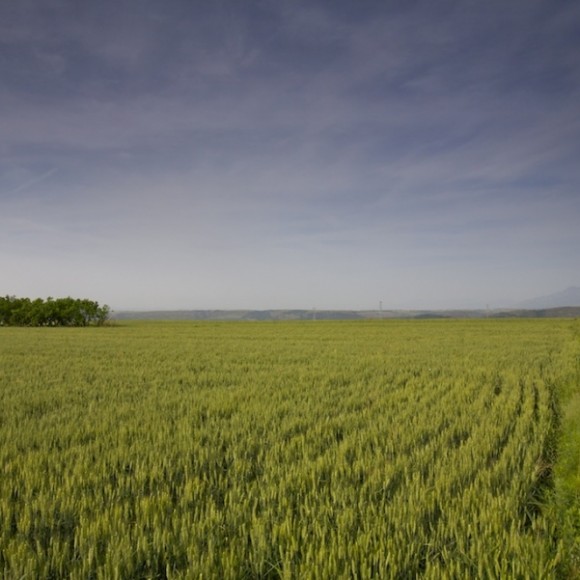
[{"x": 31, "y": 182}]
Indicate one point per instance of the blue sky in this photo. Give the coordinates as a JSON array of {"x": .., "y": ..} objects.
[{"x": 288, "y": 154}]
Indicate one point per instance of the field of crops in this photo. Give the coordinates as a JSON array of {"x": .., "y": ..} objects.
[{"x": 295, "y": 450}]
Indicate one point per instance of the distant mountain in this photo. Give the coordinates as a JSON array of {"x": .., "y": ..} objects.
[{"x": 568, "y": 297}]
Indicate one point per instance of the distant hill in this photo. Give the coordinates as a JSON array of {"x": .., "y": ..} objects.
[
  {"x": 273, "y": 315},
  {"x": 568, "y": 297},
  {"x": 561, "y": 312},
  {"x": 239, "y": 315}
]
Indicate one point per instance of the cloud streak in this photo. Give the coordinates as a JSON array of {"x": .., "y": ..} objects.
[{"x": 31, "y": 182}]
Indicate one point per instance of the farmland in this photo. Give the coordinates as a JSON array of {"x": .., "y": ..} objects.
[{"x": 362, "y": 449}]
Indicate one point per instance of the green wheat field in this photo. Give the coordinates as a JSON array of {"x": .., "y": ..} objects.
[{"x": 375, "y": 449}]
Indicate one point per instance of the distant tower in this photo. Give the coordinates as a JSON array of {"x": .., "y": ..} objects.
[{"x": 380, "y": 308}]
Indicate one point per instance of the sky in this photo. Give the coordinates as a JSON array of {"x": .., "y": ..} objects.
[{"x": 289, "y": 154}]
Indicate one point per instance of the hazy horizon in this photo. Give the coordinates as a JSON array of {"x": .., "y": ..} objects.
[
  {"x": 290, "y": 155},
  {"x": 553, "y": 300}
]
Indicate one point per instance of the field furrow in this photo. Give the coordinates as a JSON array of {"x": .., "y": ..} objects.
[{"x": 280, "y": 450}]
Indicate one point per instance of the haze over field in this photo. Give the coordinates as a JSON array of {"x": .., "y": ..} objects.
[{"x": 199, "y": 155}]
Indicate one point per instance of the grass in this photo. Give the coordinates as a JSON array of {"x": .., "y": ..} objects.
[{"x": 566, "y": 499}]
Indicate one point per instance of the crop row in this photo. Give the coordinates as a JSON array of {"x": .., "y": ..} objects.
[{"x": 291, "y": 450}]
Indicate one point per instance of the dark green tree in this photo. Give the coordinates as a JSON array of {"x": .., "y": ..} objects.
[{"x": 51, "y": 312}]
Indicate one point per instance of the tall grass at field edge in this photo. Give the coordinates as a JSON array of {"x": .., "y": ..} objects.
[{"x": 567, "y": 469}]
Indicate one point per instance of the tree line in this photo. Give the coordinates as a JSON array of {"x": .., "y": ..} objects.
[{"x": 51, "y": 312}]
